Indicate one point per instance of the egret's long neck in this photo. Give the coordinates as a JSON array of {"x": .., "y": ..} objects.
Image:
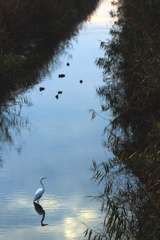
[{"x": 42, "y": 185}]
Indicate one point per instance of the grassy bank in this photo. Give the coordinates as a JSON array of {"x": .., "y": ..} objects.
[
  {"x": 31, "y": 32},
  {"x": 131, "y": 68},
  {"x": 132, "y": 75},
  {"x": 24, "y": 22}
]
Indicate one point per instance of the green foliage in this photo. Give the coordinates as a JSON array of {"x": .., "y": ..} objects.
[{"x": 11, "y": 60}]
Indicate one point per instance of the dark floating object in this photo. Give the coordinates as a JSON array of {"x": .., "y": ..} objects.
[
  {"x": 61, "y": 75},
  {"x": 41, "y": 88},
  {"x": 57, "y": 96},
  {"x": 81, "y": 81},
  {"x": 68, "y": 64},
  {"x": 40, "y": 211},
  {"x": 59, "y": 92}
]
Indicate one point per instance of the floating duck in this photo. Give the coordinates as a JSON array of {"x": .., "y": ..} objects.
[
  {"x": 61, "y": 75},
  {"x": 41, "y": 88}
]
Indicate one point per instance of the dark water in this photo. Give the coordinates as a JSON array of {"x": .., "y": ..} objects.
[{"x": 55, "y": 138}]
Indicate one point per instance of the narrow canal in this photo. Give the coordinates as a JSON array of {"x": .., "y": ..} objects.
[{"x": 54, "y": 137}]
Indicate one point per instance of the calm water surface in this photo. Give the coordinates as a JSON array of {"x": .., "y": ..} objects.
[{"x": 56, "y": 138}]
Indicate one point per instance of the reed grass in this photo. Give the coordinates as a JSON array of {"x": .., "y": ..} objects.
[{"x": 131, "y": 70}]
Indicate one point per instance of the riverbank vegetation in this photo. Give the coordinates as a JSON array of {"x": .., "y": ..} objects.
[
  {"x": 131, "y": 68},
  {"x": 27, "y": 20},
  {"x": 31, "y": 32}
]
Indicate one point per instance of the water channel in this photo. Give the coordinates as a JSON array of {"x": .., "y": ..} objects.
[{"x": 56, "y": 138}]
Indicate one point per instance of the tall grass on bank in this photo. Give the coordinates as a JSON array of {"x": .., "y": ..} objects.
[
  {"x": 24, "y": 22},
  {"x": 31, "y": 32},
  {"x": 132, "y": 75},
  {"x": 130, "y": 211},
  {"x": 131, "y": 68},
  {"x": 29, "y": 19}
]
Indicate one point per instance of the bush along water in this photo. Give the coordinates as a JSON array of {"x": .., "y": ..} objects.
[
  {"x": 131, "y": 70},
  {"x": 32, "y": 32}
]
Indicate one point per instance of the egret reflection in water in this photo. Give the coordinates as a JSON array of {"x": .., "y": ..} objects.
[{"x": 39, "y": 209}]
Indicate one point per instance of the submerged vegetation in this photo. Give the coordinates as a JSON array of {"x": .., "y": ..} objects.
[{"x": 131, "y": 68}]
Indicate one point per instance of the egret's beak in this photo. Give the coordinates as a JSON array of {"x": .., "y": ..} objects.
[{"x": 44, "y": 177}]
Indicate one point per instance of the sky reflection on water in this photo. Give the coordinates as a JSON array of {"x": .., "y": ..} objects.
[{"x": 59, "y": 141}]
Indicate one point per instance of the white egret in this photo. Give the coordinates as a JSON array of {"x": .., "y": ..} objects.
[{"x": 39, "y": 192}]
